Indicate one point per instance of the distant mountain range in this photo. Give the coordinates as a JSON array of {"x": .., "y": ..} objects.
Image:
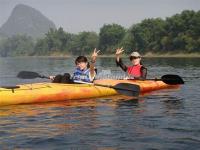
[{"x": 26, "y": 20}]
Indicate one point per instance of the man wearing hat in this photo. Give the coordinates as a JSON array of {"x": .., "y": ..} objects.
[{"x": 137, "y": 70}]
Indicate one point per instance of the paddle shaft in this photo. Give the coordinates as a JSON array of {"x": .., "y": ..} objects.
[{"x": 44, "y": 77}]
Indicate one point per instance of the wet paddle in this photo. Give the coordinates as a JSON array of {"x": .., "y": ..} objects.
[
  {"x": 122, "y": 88},
  {"x": 169, "y": 79}
]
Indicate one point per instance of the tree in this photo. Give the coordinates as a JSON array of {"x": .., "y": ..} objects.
[
  {"x": 84, "y": 43},
  {"x": 17, "y": 45},
  {"x": 110, "y": 36},
  {"x": 147, "y": 34}
]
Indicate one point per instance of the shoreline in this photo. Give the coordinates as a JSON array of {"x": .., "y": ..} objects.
[
  {"x": 172, "y": 55},
  {"x": 147, "y": 55}
]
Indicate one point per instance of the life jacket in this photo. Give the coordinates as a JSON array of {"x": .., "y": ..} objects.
[
  {"x": 135, "y": 71},
  {"x": 82, "y": 75}
]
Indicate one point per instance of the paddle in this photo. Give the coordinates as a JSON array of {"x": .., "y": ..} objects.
[
  {"x": 30, "y": 75},
  {"x": 122, "y": 88},
  {"x": 10, "y": 87},
  {"x": 168, "y": 79},
  {"x": 172, "y": 79}
]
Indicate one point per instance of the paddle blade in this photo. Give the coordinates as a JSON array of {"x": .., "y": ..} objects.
[
  {"x": 172, "y": 79},
  {"x": 10, "y": 87},
  {"x": 127, "y": 89},
  {"x": 28, "y": 75}
]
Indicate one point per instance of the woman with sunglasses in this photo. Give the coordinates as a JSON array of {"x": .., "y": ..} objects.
[{"x": 137, "y": 70}]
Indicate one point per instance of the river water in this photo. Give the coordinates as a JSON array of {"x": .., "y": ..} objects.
[{"x": 167, "y": 119}]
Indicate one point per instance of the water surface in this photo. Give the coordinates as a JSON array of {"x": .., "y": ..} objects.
[{"x": 167, "y": 119}]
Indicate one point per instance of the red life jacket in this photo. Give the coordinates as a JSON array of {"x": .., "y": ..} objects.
[{"x": 135, "y": 70}]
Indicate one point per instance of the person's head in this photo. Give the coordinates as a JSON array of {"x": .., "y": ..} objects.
[
  {"x": 135, "y": 58},
  {"x": 81, "y": 62}
]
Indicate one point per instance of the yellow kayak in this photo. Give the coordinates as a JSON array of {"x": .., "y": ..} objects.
[{"x": 46, "y": 92}]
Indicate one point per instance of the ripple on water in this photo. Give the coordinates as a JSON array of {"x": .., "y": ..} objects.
[{"x": 168, "y": 119}]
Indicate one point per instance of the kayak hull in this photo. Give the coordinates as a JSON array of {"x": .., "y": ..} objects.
[{"x": 47, "y": 92}]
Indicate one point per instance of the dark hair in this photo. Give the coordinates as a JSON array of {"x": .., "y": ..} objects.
[{"x": 80, "y": 59}]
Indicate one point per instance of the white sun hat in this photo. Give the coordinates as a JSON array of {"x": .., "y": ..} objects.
[{"x": 135, "y": 54}]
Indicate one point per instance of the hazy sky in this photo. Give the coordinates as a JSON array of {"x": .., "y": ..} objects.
[{"x": 89, "y": 15}]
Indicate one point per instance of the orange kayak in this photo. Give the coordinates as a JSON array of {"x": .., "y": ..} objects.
[{"x": 47, "y": 92}]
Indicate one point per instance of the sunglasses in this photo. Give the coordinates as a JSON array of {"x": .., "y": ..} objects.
[{"x": 133, "y": 57}]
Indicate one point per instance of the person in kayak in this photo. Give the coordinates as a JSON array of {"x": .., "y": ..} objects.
[
  {"x": 137, "y": 70},
  {"x": 84, "y": 72}
]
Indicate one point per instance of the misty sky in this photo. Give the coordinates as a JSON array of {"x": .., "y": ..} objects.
[{"x": 89, "y": 15}]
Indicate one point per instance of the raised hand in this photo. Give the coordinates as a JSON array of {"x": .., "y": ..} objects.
[
  {"x": 95, "y": 54},
  {"x": 119, "y": 51}
]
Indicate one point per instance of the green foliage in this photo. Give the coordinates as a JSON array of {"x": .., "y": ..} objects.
[
  {"x": 179, "y": 33},
  {"x": 84, "y": 43},
  {"x": 110, "y": 36},
  {"x": 54, "y": 41},
  {"x": 147, "y": 35},
  {"x": 16, "y": 46},
  {"x": 41, "y": 47},
  {"x": 182, "y": 32},
  {"x": 62, "y": 42},
  {"x": 128, "y": 42}
]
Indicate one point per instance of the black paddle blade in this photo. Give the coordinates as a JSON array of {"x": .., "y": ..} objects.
[
  {"x": 28, "y": 75},
  {"x": 10, "y": 87},
  {"x": 127, "y": 89},
  {"x": 172, "y": 79}
]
